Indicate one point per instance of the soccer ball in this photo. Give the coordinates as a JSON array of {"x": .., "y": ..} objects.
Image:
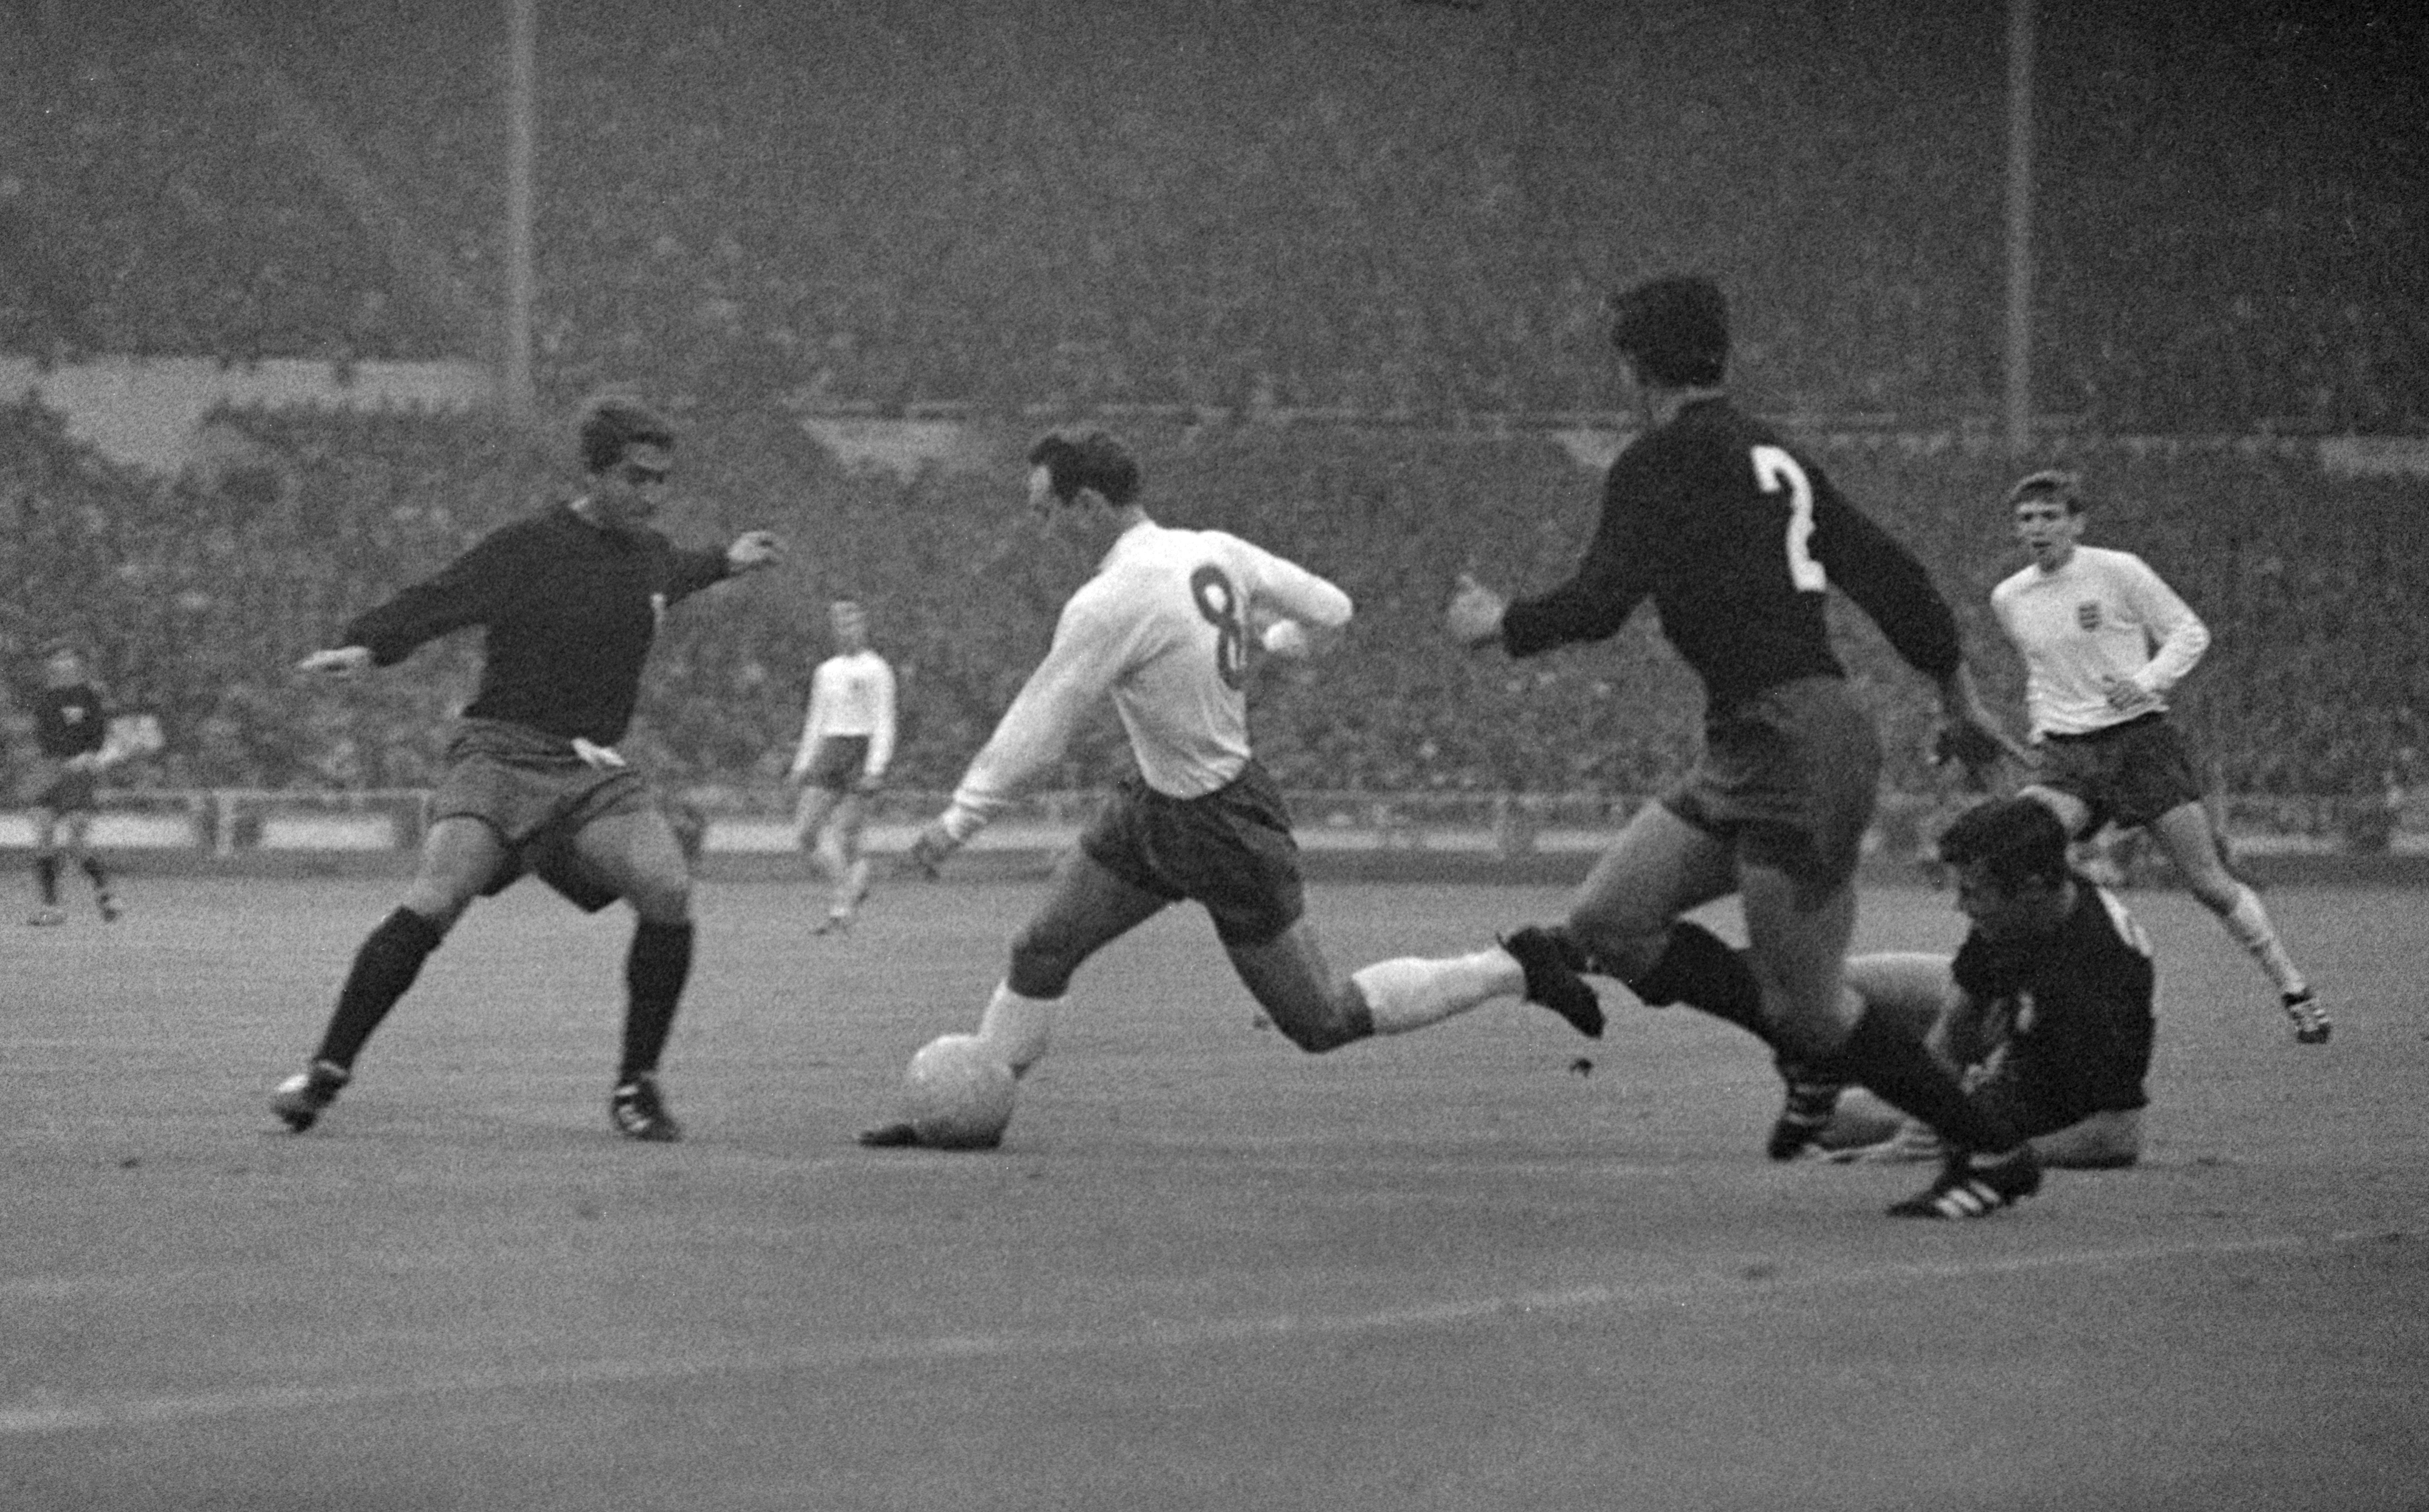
[{"x": 957, "y": 1095}]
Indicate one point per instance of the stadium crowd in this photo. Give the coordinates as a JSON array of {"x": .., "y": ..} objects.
[
  {"x": 1340, "y": 269},
  {"x": 198, "y": 594},
  {"x": 1397, "y": 210}
]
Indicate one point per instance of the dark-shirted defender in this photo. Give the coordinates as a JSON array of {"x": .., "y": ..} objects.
[
  {"x": 570, "y": 608},
  {"x": 1737, "y": 538},
  {"x": 571, "y": 601}
]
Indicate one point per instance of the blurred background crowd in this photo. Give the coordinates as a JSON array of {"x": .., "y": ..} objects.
[
  {"x": 1378, "y": 205},
  {"x": 200, "y": 596},
  {"x": 1336, "y": 267}
]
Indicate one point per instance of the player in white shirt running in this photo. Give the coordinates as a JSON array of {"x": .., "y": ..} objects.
[
  {"x": 847, "y": 740},
  {"x": 2104, "y": 640},
  {"x": 1163, "y": 629}
]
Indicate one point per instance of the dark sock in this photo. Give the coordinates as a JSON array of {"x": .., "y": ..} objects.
[
  {"x": 93, "y": 869},
  {"x": 384, "y": 968},
  {"x": 47, "y": 880},
  {"x": 655, "y": 973},
  {"x": 1700, "y": 971},
  {"x": 1881, "y": 1056}
]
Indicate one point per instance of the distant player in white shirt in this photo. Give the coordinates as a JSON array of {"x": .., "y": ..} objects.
[
  {"x": 847, "y": 740},
  {"x": 2104, "y": 642},
  {"x": 1165, "y": 630}
]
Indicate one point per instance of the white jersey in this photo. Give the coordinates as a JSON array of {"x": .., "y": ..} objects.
[
  {"x": 2105, "y": 614},
  {"x": 852, "y": 695},
  {"x": 1163, "y": 628}
]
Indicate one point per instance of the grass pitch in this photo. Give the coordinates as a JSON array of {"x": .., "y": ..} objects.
[{"x": 1490, "y": 1265}]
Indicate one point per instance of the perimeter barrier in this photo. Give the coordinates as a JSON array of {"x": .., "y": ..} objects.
[{"x": 740, "y": 833}]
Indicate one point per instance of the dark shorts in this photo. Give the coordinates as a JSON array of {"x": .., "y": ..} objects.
[
  {"x": 2059, "y": 1075},
  {"x": 1230, "y": 850},
  {"x": 538, "y": 794},
  {"x": 68, "y": 792},
  {"x": 2127, "y": 775},
  {"x": 1788, "y": 779},
  {"x": 837, "y": 762}
]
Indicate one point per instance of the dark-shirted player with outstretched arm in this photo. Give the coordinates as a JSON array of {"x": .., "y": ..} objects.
[
  {"x": 570, "y": 600},
  {"x": 1736, "y": 538}
]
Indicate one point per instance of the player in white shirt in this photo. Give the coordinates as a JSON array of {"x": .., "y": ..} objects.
[
  {"x": 1163, "y": 629},
  {"x": 2105, "y": 641},
  {"x": 847, "y": 740}
]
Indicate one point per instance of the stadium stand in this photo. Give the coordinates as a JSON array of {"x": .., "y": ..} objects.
[
  {"x": 1397, "y": 210},
  {"x": 1339, "y": 275},
  {"x": 200, "y": 593}
]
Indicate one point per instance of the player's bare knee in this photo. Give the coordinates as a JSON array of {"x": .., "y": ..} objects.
[{"x": 1342, "y": 1021}]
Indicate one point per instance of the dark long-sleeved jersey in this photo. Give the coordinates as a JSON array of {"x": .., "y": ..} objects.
[
  {"x": 69, "y": 721},
  {"x": 2078, "y": 1002},
  {"x": 2096, "y": 965},
  {"x": 569, "y": 610},
  {"x": 1736, "y": 537}
]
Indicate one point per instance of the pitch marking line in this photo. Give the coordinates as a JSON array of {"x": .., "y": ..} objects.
[{"x": 43, "y": 1419}]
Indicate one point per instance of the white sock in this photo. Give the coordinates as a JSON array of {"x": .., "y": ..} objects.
[
  {"x": 2249, "y": 923},
  {"x": 851, "y": 889},
  {"x": 1017, "y": 1027},
  {"x": 1409, "y": 993}
]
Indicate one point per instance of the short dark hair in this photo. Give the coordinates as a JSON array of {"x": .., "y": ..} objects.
[
  {"x": 1093, "y": 460},
  {"x": 1675, "y": 329},
  {"x": 614, "y": 425},
  {"x": 2050, "y": 482},
  {"x": 2019, "y": 839}
]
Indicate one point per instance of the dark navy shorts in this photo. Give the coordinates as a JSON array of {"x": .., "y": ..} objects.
[
  {"x": 837, "y": 762},
  {"x": 1230, "y": 850},
  {"x": 529, "y": 787},
  {"x": 2127, "y": 775},
  {"x": 1789, "y": 779}
]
